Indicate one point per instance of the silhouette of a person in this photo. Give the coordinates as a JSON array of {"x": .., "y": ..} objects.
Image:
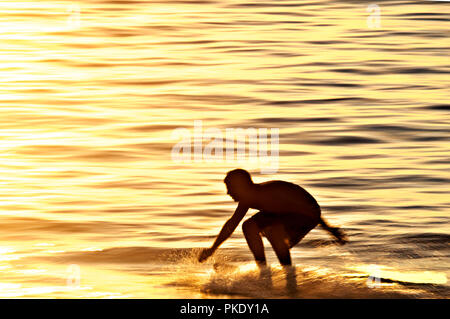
[{"x": 286, "y": 214}]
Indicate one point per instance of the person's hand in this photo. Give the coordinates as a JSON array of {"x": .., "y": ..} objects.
[{"x": 204, "y": 254}]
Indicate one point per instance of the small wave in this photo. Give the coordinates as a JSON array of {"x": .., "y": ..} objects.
[
  {"x": 24, "y": 227},
  {"x": 245, "y": 280},
  {"x": 396, "y": 128},
  {"x": 293, "y": 120},
  {"x": 127, "y": 255},
  {"x": 396, "y": 70},
  {"x": 228, "y": 274},
  {"x": 152, "y": 128},
  {"x": 426, "y": 239},
  {"x": 418, "y": 70},
  {"x": 377, "y": 182},
  {"x": 408, "y": 247},
  {"x": 319, "y": 101},
  {"x": 314, "y": 243},
  {"x": 439, "y": 107},
  {"x": 140, "y": 255},
  {"x": 348, "y": 140}
]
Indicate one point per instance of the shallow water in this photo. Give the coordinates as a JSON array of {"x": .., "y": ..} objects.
[{"x": 93, "y": 205}]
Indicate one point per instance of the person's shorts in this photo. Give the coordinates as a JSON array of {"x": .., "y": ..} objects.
[{"x": 296, "y": 226}]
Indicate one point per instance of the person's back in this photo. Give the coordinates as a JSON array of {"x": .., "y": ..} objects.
[
  {"x": 287, "y": 212},
  {"x": 283, "y": 198}
]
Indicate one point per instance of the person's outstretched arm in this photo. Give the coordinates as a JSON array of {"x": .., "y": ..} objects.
[{"x": 227, "y": 229}]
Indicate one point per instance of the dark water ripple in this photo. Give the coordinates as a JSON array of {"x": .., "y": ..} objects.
[{"x": 378, "y": 182}]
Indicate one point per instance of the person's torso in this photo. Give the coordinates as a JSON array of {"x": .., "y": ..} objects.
[{"x": 284, "y": 197}]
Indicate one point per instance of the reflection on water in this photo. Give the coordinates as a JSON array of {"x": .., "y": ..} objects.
[{"x": 92, "y": 91}]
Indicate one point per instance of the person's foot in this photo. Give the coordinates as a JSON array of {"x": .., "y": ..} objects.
[
  {"x": 291, "y": 279},
  {"x": 265, "y": 275}
]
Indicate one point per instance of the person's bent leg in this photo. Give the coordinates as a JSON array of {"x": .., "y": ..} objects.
[
  {"x": 254, "y": 241},
  {"x": 279, "y": 240}
]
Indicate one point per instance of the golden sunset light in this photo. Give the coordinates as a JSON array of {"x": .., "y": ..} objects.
[{"x": 135, "y": 136}]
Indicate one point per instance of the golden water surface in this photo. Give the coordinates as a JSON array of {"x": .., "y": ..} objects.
[{"x": 92, "y": 203}]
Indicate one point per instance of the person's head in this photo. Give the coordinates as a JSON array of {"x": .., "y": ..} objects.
[{"x": 238, "y": 182}]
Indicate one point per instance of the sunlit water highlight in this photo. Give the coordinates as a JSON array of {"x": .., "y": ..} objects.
[{"x": 92, "y": 91}]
